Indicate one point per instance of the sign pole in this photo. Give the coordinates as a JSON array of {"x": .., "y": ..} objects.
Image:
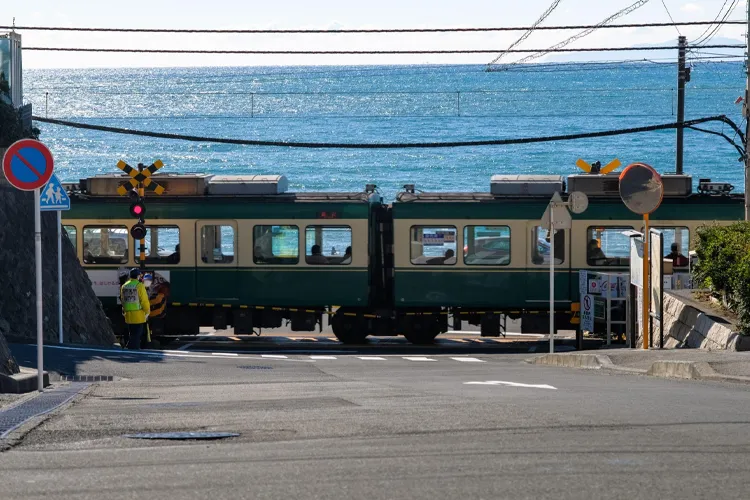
[
  {"x": 551, "y": 278},
  {"x": 645, "y": 288},
  {"x": 39, "y": 311},
  {"x": 59, "y": 276}
]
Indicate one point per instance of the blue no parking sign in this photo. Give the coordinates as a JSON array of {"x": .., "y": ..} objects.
[{"x": 28, "y": 164}]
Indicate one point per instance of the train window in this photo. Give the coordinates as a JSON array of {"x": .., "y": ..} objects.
[
  {"x": 217, "y": 244},
  {"x": 433, "y": 245},
  {"x": 540, "y": 246},
  {"x": 72, "y": 236},
  {"x": 276, "y": 245},
  {"x": 608, "y": 246},
  {"x": 328, "y": 245},
  {"x": 105, "y": 244},
  {"x": 487, "y": 245},
  {"x": 162, "y": 245},
  {"x": 676, "y": 244}
]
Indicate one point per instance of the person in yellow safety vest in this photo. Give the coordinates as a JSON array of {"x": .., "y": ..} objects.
[{"x": 135, "y": 308}]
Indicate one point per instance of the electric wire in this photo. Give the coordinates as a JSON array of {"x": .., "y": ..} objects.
[
  {"x": 719, "y": 25},
  {"x": 560, "y": 46},
  {"x": 528, "y": 32},
  {"x": 670, "y": 17},
  {"x": 535, "y": 52},
  {"x": 395, "y": 145},
  {"x": 374, "y": 30}
]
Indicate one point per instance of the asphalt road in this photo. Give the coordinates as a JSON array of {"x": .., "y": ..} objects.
[{"x": 388, "y": 426}]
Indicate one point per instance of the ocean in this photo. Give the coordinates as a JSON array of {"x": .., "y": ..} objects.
[{"x": 364, "y": 104}]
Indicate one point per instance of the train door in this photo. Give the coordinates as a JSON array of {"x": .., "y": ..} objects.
[
  {"x": 217, "y": 261},
  {"x": 538, "y": 262}
]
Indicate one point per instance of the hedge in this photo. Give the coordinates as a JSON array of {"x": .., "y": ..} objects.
[{"x": 724, "y": 267}]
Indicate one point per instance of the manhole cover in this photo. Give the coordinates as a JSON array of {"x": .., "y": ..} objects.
[{"x": 182, "y": 435}]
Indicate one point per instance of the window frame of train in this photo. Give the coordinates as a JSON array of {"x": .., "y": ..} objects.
[
  {"x": 471, "y": 237},
  {"x": 158, "y": 260},
  {"x": 200, "y": 238},
  {"x": 275, "y": 260},
  {"x": 534, "y": 246},
  {"x": 436, "y": 229},
  {"x": 72, "y": 232},
  {"x": 318, "y": 231},
  {"x": 108, "y": 227},
  {"x": 667, "y": 242},
  {"x": 621, "y": 261}
]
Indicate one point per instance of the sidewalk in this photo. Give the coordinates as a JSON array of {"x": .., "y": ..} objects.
[{"x": 670, "y": 363}]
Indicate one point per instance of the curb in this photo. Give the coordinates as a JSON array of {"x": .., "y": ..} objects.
[
  {"x": 686, "y": 370},
  {"x": 21, "y": 383}
]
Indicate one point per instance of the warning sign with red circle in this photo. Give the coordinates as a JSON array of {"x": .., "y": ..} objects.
[{"x": 28, "y": 165}]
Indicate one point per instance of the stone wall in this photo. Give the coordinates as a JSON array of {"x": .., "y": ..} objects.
[
  {"x": 686, "y": 325},
  {"x": 84, "y": 320}
]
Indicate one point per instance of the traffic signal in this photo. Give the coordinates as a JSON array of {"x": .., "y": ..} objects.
[{"x": 137, "y": 210}]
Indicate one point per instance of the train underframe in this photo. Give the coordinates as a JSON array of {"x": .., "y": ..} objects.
[{"x": 350, "y": 325}]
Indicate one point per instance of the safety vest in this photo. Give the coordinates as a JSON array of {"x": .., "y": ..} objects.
[{"x": 130, "y": 299}]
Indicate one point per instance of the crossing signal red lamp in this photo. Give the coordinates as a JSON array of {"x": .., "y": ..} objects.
[{"x": 138, "y": 209}]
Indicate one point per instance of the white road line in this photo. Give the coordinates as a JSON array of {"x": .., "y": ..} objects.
[
  {"x": 512, "y": 384},
  {"x": 417, "y": 358},
  {"x": 371, "y": 358},
  {"x": 323, "y": 357},
  {"x": 224, "y": 354},
  {"x": 469, "y": 360},
  {"x": 273, "y": 356},
  {"x": 186, "y": 347}
]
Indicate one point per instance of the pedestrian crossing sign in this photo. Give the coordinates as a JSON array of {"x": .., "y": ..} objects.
[{"x": 53, "y": 196}]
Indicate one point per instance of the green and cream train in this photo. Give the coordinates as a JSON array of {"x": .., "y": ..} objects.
[{"x": 242, "y": 251}]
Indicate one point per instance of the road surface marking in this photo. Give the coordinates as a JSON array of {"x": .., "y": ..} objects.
[
  {"x": 224, "y": 354},
  {"x": 323, "y": 357},
  {"x": 371, "y": 358},
  {"x": 186, "y": 347},
  {"x": 274, "y": 356},
  {"x": 512, "y": 384},
  {"x": 469, "y": 360},
  {"x": 458, "y": 340},
  {"x": 417, "y": 358}
]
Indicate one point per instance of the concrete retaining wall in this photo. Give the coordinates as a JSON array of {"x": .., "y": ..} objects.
[{"x": 687, "y": 326}]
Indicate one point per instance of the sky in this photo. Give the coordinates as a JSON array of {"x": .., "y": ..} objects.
[{"x": 330, "y": 14}]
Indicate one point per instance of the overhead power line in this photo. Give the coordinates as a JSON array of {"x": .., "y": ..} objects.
[
  {"x": 627, "y": 10},
  {"x": 528, "y": 32},
  {"x": 670, "y": 16},
  {"x": 718, "y": 26},
  {"x": 376, "y": 30},
  {"x": 716, "y": 19},
  {"x": 395, "y": 145},
  {"x": 360, "y": 52}
]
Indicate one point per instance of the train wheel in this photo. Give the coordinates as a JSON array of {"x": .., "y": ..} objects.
[
  {"x": 348, "y": 329},
  {"x": 421, "y": 330}
]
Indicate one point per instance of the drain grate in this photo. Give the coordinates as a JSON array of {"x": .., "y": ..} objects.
[
  {"x": 255, "y": 367},
  {"x": 85, "y": 378},
  {"x": 14, "y": 417},
  {"x": 182, "y": 435}
]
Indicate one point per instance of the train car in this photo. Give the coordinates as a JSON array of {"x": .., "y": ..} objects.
[
  {"x": 235, "y": 251},
  {"x": 482, "y": 257}
]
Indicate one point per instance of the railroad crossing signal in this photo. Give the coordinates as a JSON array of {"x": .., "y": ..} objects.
[
  {"x": 140, "y": 176},
  {"x": 596, "y": 167}
]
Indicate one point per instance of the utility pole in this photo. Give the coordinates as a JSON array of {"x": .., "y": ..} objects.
[
  {"x": 746, "y": 113},
  {"x": 683, "y": 76}
]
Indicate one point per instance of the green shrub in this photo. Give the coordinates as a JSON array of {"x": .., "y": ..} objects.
[{"x": 724, "y": 266}]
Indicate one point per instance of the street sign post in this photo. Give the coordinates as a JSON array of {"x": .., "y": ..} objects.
[
  {"x": 557, "y": 210},
  {"x": 28, "y": 165},
  {"x": 642, "y": 191},
  {"x": 54, "y": 198},
  {"x": 587, "y": 312}
]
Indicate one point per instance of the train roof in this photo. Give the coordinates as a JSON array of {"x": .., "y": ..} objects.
[
  {"x": 504, "y": 188},
  {"x": 259, "y": 188}
]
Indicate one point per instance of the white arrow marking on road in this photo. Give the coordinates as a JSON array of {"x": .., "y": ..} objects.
[{"x": 512, "y": 384}]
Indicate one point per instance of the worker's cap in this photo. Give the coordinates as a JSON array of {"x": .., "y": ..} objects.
[{"x": 135, "y": 272}]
